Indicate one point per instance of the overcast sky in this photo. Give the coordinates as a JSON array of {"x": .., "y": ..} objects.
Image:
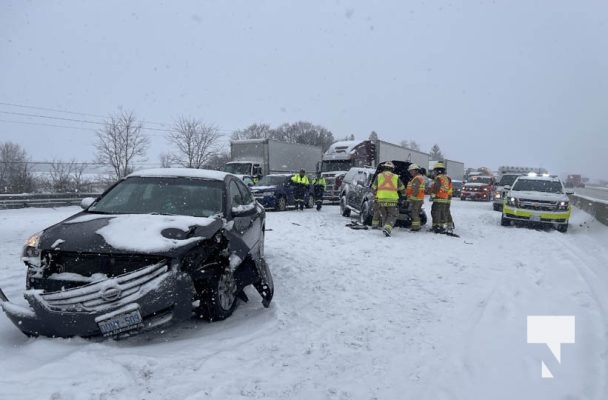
[{"x": 518, "y": 82}]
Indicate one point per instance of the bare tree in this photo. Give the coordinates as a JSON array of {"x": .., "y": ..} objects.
[
  {"x": 15, "y": 172},
  {"x": 217, "y": 160},
  {"x": 120, "y": 142},
  {"x": 195, "y": 142},
  {"x": 60, "y": 173},
  {"x": 410, "y": 144},
  {"x": 255, "y": 131},
  {"x": 305, "y": 133},
  {"x": 79, "y": 180},
  {"x": 166, "y": 159}
]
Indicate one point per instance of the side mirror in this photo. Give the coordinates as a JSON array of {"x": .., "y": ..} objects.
[
  {"x": 86, "y": 202},
  {"x": 507, "y": 187},
  {"x": 243, "y": 211},
  {"x": 569, "y": 192}
]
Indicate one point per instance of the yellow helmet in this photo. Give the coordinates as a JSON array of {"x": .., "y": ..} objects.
[{"x": 439, "y": 165}]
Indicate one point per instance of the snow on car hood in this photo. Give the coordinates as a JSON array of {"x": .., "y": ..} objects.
[
  {"x": 538, "y": 195},
  {"x": 142, "y": 233},
  {"x": 119, "y": 232}
]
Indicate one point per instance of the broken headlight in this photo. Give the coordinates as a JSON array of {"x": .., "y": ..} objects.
[{"x": 31, "y": 252}]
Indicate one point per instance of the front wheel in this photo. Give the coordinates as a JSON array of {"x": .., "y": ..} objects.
[
  {"x": 282, "y": 204},
  {"x": 344, "y": 210},
  {"x": 218, "y": 298},
  {"x": 562, "y": 228},
  {"x": 504, "y": 221},
  {"x": 365, "y": 216}
]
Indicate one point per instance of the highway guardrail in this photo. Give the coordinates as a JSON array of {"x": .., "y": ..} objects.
[{"x": 9, "y": 201}]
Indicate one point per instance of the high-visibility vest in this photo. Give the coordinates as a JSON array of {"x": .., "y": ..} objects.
[
  {"x": 300, "y": 179},
  {"x": 416, "y": 183},
  {"x": 442, "y": 188},
  {"x": 319, "y": 181},
  {"x": 387, "y": 185}
]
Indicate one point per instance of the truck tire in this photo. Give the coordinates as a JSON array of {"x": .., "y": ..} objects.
[
  {"x": 344, "y": 210},
  {"x": 504, "y": 221},
  {"x": 562, "y": 228}
]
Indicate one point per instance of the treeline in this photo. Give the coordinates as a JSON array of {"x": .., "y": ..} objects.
[{"x": 122, "y": 143}]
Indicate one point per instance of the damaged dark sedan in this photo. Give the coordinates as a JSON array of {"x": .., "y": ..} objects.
[{"x": 159, "y": 246}]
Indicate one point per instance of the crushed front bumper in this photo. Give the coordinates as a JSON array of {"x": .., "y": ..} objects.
[{"x": 123, "y": 305}]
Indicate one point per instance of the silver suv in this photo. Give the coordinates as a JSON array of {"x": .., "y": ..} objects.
[{"x": 355, "y": 186}]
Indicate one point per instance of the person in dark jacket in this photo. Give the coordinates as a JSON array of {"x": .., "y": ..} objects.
[{"x": 318, "y": 188}]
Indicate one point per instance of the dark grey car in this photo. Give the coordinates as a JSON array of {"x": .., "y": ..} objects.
[{"x": 158, "y": 246}]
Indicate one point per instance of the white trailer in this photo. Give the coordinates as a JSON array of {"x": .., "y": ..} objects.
[
  {"x": 454, "y": 169},
  {"x": 258, "y": 157}
]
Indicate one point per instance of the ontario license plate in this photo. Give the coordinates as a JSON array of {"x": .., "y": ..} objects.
[
  {"x": 120, "y": 323},
  {"x": 535, "y": 218}
]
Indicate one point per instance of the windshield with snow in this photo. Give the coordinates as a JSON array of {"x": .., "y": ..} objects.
[
  {"x": 537, "y": 185},
  {"x": 167, "y": 196}
]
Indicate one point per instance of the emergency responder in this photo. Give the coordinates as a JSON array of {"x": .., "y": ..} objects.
[
  {"x": 318, "y": 188},
  {"x": 386, "y": 188},
  {"x": 440, "y": 195},
  {"x": 301, "y": 184},
  {"x": 415, "y": 195}
]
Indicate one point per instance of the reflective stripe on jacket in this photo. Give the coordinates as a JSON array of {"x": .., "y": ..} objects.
[
  {"x": 415, "y": 188},
  {"x": 387, "y": 185}
]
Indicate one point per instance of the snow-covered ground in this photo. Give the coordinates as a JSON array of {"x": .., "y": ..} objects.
[{"x": 355, "y": 316}]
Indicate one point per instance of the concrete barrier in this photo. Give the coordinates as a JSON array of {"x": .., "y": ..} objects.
[{"x": 595, "y": 207}]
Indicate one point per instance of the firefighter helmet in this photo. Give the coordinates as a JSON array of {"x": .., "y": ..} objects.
[
  {"x": 413, "y": 167},
  {"x": 388, "y": 165},
  {"x": 439, "y": 165}
]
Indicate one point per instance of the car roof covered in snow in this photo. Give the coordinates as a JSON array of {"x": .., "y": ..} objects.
[{"x": 181, "y": 173}]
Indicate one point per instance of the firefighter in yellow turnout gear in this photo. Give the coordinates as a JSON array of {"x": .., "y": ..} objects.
[
  {"x": 415, "y": 195},
  {"x": 441, "y": 194},
  {"x": 386, "y": 188}
]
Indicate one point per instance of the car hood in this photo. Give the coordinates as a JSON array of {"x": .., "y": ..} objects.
[
  {"x": 543, "y": 196},
  {"x": 129, "y": 233}
]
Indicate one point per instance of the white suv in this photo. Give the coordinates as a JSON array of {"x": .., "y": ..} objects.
[{"x": 536, "y": 200}]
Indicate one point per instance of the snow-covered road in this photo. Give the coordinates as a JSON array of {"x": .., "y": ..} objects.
[{"x": 355, "y": 316}]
